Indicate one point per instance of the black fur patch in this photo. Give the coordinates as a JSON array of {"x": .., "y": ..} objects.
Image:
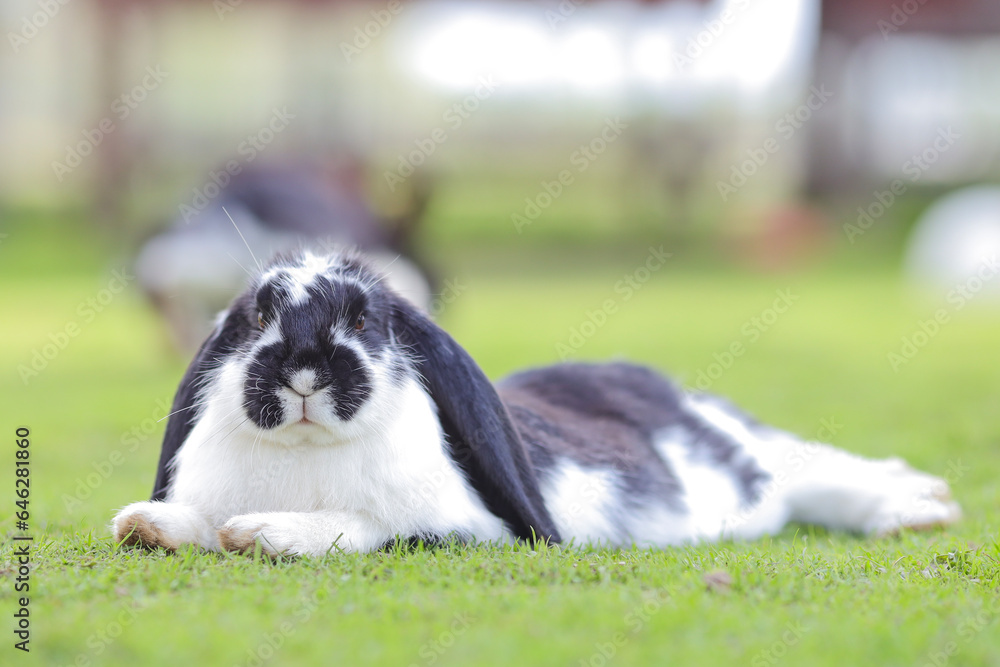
[{"x": 605, "y": 416}]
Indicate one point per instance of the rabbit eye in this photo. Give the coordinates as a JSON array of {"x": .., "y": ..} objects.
[
  {"x": 360, "y": 323},
  {"x": 260, "y": 320}
]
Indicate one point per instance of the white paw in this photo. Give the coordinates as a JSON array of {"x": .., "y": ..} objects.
[
  {"x": 912, "y": 500},
  {"x": 160, "y": 524},
  {"x": 278, "y": 533}
]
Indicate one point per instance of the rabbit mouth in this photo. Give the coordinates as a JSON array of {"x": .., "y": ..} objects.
[{"x": 305, "y": 409}]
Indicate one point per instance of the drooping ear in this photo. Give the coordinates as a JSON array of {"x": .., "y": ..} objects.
[
  {"x": 184, "y": 411},
  {"x": 481, "y": 436}
]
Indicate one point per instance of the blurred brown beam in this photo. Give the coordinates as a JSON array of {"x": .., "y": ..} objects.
[{"x": 111, "y": 155}]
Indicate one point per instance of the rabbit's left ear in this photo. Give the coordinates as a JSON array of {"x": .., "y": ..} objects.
[
  {"x": 184, "y": 411},
  {"x": 481, "y": 437}
]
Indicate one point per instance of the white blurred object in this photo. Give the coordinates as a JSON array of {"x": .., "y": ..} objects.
[
  {"x": 602, "y": 47},
  {"x": 958, "y": 240}
]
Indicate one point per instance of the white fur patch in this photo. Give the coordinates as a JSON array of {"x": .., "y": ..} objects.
[
  {"x": 297, "y": 278},
  {"x": 819, "y": 484},
  {"x": 271, "y": 335},
  {"x": 581, "y": 502},
  {"x": 303, "y": 381},
  {"x": 710, "y": 494},
  {"x": 656, "y": 525}
]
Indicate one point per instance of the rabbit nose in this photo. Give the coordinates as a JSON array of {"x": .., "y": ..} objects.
[{"x": 303, "y": 382}]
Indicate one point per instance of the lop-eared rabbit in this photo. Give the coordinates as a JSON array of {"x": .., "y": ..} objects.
[{"x": 325, "y": 412}]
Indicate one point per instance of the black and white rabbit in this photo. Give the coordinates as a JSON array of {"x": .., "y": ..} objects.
[{"x": 325, "y": 412}]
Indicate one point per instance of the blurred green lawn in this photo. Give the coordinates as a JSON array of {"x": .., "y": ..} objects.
[{"x": 802, "y": 597}]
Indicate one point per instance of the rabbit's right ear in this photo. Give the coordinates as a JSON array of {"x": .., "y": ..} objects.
[{"x": 184, "y": 412}]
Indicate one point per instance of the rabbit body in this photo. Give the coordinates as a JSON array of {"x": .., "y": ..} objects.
[{"x": 327, "y": 413}]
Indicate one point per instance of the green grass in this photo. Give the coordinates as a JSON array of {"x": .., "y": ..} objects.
[{"x": 803, "y": 597}]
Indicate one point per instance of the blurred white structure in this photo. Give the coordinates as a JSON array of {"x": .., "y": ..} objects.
[
  {"x": 673, "y": 49},
  {"x": 956, "y": 243}
]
